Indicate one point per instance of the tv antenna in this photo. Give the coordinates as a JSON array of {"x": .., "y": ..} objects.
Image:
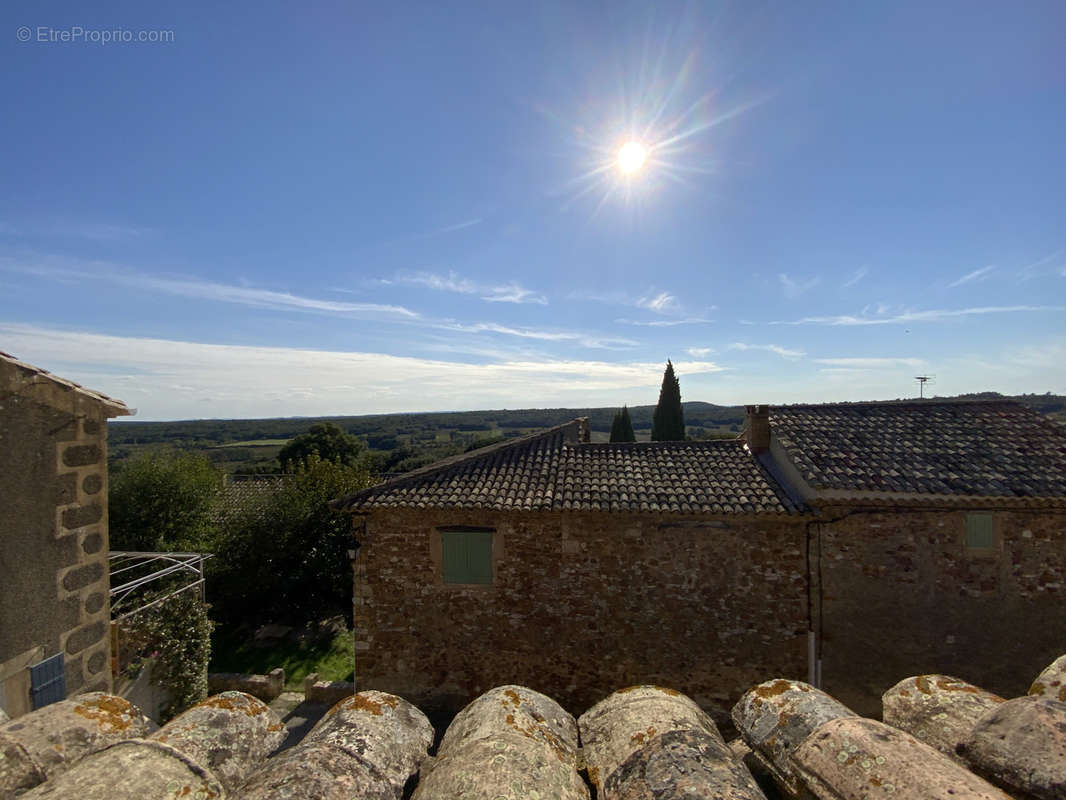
[{"x": 922, "y": 381}]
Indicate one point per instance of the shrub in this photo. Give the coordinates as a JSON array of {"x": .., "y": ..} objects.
[{"x": 284, "y": 555}]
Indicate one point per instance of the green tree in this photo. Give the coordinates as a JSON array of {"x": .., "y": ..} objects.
[
  {"x": 324, "y": 440},
  {"x": 284, "y": 556},
  {"x": 162, "y": 501},
  {"x": 622, "y": 427},
  {"x": 668, "y": 420}
]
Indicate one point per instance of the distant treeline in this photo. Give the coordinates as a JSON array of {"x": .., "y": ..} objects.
[
  {"x": 379, "y": 428},
  {"x": 402, "y": 442},
  {"x": 383, "y": 426}
]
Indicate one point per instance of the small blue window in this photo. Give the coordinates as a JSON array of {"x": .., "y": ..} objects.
[
  {"x": 466, "y": 555},
  {"x": 48, "y": 682}
]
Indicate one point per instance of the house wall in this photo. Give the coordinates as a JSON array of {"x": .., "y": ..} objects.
[
  {"x": 901, "y": 595},
  {"x": 53, "y": 530},
  {"x": 582, "y": 604}
]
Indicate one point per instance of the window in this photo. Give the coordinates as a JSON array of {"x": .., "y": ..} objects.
[
  {"x": 466, "y": 555},
  {"x": 981, "y": 532}
]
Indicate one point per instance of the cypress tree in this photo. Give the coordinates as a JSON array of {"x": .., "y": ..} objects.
[
  {"x": 622, "y": 427},
  {"x": 668, "y": 421}
]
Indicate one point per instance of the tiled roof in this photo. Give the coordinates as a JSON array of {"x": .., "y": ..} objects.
[
  {"x": 554, "y": 470},
  {"x": 712, "y": 477},
  {"x": 27, "y": 374},
  {"x": 986, "y": 449},
  {"x": 246, "y": 494}
]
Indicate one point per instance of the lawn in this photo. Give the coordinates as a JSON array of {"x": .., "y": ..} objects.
[{"x": 330, "y": 655}]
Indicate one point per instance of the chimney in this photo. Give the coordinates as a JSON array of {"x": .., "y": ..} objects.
[{"x": 757, "y": 428}]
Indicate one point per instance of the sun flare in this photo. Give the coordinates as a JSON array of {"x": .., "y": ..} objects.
[{"x": 631, "y": 157}]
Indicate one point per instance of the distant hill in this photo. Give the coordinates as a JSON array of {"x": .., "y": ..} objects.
[{"x": 409, "y": 440}]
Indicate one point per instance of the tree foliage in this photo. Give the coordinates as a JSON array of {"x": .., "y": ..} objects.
[
  {"x": 284, "y": 556},
  {"x": 668, "y": 419},
  {"x": 622, "y": 427},
  {"x": 162, "y": 501},
  {"x": 324, "y": 440}
]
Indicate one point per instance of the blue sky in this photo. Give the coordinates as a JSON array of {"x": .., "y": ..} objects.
[{"x": 327, "y": 208}]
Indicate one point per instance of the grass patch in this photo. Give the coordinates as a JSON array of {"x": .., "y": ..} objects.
[
  {"x": 255, "y": 443},
  {"x": 331, "y": 655}
]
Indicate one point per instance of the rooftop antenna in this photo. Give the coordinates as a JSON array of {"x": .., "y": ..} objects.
[{"x": 922, "y": 381}]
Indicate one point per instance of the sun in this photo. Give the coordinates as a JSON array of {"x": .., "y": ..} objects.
[{"x": 631, "y": 157}]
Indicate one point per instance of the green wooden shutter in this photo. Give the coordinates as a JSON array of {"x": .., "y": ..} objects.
[
  {"x": 479, "y": 556},
  {"x": 980, "y": 531},
  {"x": 466, "y": 556}
]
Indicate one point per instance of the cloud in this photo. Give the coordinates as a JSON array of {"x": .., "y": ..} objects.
[
  {"x": 590, "y": 340},
  {"x": 860, "y": 273},
  {"x": 784, "y": 352},
  {"x": 938, "y": 315},
  {"x": 661, "y": 303},
  {"x": 970, "y": 277},
  {"x": 664, "y": 323},
  {"x": 99, "y": 232},
  {"x": 513, "y": 293},
  {"x": 1041, "y": 267},
  {"x": 217, "y": 292},
  {"x": 699, "y": 352},
  {"x": 871, "y": 363},
  {"x": 656, "y": 301},
  {"x": 456, "y": 227},
  {"x": 794, "y": 288},
  {"x": 168, "y": 379},
  {"x": 500, "y": 293}
]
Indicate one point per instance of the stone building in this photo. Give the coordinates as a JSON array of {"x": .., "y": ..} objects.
[
  {"x": 937, "y": 538},
  {"x": 53, "y": 535},
  {"x": 841, "y": 544}
]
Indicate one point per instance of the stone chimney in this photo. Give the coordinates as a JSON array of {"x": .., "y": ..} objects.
[{"x": 757, "y": 428}]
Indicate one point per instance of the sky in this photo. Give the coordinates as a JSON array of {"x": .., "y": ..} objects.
[{"x": 276, "y": 209}]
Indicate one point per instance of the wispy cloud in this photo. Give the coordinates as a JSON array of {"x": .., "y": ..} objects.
[
  {"x": 470, "y": 223},
  {"x": 210, "y": 290},
  {"x": 169, "y": 379},
  {"x": 94, "y": 231},
  {"x": 663, "y": 323},
  {"x": 1043, "y": 266},
  {"x": 498, "y": 293},
  {"x": 938, "y": 315},
  {"x": 784, "y": 352},
  {"x": 970, "y": 277},
  {"x": 699, "y": 352},
  {"x": 793, "y": 287},
  {"x": 590, "y": 340},
  {"x": 871, "y": 363},
  {"x": 660, "y": 303},
  {"x": 858, "y": 275},
  {"x": 657, "y": 301}
]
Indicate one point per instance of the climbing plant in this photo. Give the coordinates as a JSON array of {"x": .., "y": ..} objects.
[{"x": 176, "y": 636}]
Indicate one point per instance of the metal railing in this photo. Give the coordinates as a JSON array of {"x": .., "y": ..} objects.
[{"x": 132, "y": 571}]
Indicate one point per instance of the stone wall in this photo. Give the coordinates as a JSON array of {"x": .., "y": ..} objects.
[
  {"x": 53, "y": 567},
  {"x": 581, "y": 605},
  {"x": 902, "y": 593}
]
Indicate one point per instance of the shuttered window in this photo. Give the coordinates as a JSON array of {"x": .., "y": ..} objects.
[
  {"x": 466, "y": 555},
  {"x": 981, "y": 532},
  {"x": 48, "y": 682}
]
